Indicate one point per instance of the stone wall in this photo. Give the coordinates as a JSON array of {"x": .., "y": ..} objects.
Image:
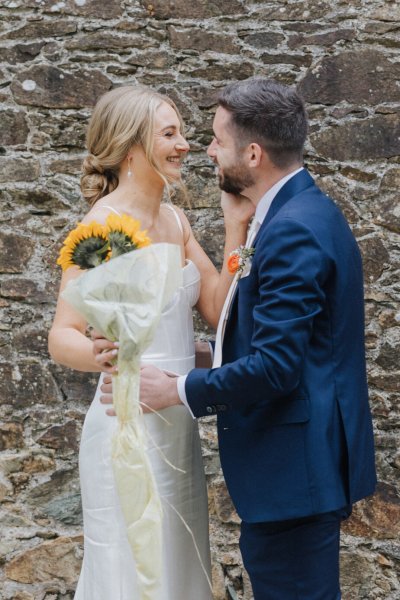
[{"x": 56, "y": 58}]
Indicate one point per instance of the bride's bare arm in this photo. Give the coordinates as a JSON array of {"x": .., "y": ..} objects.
[{"x": 68, "y": 343}]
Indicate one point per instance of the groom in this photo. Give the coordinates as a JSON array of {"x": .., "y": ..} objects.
[{"x": 289, "y": 383}]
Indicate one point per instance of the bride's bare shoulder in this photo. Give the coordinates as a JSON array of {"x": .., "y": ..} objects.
[{"x": 99, "y": 213}]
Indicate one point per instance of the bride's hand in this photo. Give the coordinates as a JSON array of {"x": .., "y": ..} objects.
[
  {"x": 237, "y": 209},
  {"x": 104, "y": 352}
]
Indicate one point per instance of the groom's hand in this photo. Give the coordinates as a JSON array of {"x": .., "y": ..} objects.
[{"x": 157, "y": 389}]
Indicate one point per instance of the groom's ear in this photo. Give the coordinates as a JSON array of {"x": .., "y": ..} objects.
[{"x": 254, "y": 155}]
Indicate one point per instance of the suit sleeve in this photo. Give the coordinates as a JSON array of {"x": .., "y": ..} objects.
[{"x": 292, "y": 269}]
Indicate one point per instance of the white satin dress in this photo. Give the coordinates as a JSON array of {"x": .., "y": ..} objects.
[{"x": 108, "y": 569}]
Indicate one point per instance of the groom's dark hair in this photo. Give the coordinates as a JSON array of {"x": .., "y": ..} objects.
[{"x": 270, "y": 114}]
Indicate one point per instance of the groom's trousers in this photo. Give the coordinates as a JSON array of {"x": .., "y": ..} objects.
[{"x": 296, "y": 559}]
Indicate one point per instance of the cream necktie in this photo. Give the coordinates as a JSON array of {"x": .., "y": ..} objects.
[{"x": 254, "y": 227}]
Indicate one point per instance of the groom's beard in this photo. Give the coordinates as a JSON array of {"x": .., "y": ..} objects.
[{"x": 235, "y": 179}]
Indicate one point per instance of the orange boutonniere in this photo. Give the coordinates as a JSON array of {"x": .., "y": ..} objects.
[
  {"x": 239, "y": 259},
  {"x": 233, "y": 263}
]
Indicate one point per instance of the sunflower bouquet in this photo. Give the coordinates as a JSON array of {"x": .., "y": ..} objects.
[
  {"x": 89, "y": 245},
  {"x": 126, "y": 285}
]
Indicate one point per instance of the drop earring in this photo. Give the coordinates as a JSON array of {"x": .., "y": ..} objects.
[{"x": 129, "y": 168}]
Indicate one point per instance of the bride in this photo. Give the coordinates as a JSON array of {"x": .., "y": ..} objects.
[{"x": 136, "y": 146}]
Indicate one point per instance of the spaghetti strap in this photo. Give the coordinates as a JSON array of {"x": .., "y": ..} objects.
[
  {"x": 109, "y": 208},
  {"x": 169, "y": 206},
  {"x": 178, "y": 220}
]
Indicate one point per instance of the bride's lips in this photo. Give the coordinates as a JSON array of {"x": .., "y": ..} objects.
[{"x": 175, "y": 160}]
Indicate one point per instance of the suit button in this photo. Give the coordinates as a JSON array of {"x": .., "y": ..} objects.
[
  {"x": 221, "y": 407},
  {"x": 209, "y": 409}
]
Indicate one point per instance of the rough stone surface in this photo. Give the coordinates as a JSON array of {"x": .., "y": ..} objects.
[
  {"x": 54, "y": 560},
  {"x": 20, "y": 53},
  {"x": 92, "y": 9},
  {"x": 13, "y": 127},
  {"x": 61, "y": 437},
  {"x": 31, "y": 340},
  {"x": 321, "y": 39},
  {"x": 25, "y": 384},
  {"x": 109, "y": 41},
  {"x": 18, "y": 169},
  {"x": 201, "y": 40},
  {"x": 226, "y": 71},
  {"x": 56, "y": 59},
  {"x": 380, "y": 517},
  {"x": 224, "y": 508},
  {"x": 332, "y": 80},
  {"x": 22, "y": 289},
  {"x": 302, "y": 10},
  {"x": 298, "y": 60},
  {"x": 42, "y": 29},
  {"x": 54, "y": 88},
  {"x": 377, "y": 137},
  {"x": 15, "y": 251},
  {"x": 203, "y": 9},
  {"x": 76, "y": 386},
  {"x": 263, "y": 39},
  {"x": 11, "y": 435},
  {"x": 375, "y": 257}
]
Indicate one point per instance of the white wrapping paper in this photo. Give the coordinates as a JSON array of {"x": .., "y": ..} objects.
[{"x": 124, "y": 299}]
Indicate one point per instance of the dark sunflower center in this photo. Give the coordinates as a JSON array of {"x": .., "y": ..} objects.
[
  {"x": 90, "y": 253},
  {"x": 120, "y": 243}
]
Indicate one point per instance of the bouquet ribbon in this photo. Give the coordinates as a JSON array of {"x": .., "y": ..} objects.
[{"x": 123, "y": 299}]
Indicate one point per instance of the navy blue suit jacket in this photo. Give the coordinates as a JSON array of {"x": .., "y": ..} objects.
[{"x": 294, "y": 425}]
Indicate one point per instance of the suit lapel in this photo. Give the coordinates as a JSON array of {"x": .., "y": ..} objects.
[{"x": 294, "y": 186}]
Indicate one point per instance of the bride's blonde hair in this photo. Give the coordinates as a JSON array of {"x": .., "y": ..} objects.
[{"x": 121, "y": 118}]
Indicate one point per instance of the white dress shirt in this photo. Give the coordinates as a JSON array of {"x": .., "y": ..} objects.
[{"x": 261, "y": 212}]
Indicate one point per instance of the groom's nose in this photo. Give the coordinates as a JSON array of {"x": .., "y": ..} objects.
[{"x": 211, "y": 150}]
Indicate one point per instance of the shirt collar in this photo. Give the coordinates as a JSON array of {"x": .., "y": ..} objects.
[{"x": 264, "y": 205}]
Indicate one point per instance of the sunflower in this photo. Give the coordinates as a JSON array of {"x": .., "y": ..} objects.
[
  {"x": 85, "y": 247},
  {"x": 124, "y": 234}
]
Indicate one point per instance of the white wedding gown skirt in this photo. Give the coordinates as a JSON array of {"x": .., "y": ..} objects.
[{"x": 108, "y": 569}]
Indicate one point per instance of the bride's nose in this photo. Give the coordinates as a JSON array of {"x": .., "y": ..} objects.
[{"x": 182, "y": 145}]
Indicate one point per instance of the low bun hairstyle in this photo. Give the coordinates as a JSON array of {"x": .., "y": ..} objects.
[
  {"x": 96, "y": 182},
  {"x": 121, "y": 118}
]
